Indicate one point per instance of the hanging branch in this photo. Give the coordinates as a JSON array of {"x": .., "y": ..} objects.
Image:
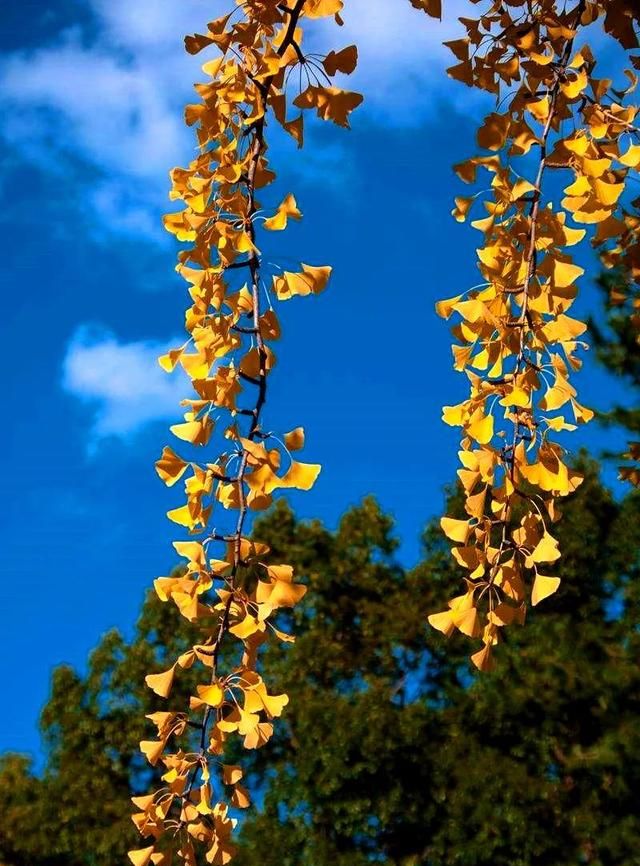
[
  {"x": 514, "y": 338},
  {"x": 228, "y": 358}
]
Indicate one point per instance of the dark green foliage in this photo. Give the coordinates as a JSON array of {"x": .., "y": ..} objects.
[
  {"x": 79, "y": 811},
  {"x": 391, "y": 751},
  {"x": 617, "y": 347}
]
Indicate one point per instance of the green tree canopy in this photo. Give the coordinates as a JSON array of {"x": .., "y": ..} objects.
[
  {"x": 615, "y": 337},
  {"x": 388, "y": 752}
]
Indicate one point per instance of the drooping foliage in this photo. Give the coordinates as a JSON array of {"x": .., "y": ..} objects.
[
  {"x": 228, "y": 589},
  {"x": 515, "y": 338},
  {"x": 392, "y": 749}
]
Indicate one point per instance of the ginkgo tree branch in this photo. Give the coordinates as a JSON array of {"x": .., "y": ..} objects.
[
  {"x": 236, "y": 594},
  {"x": 514, "y": 337},
  {"x": 531, "y": 259}
]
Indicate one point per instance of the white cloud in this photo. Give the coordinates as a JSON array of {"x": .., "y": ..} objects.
[
  {"x": 116, "y": 205},
  {"x": 402, "y": 60},
  {"x": 111, "y": 111},
  {"x": 147, "y": 25},
  {"x": 121, "y": 383},
  {"x": 113, "y": 104},
  {"x": 113, "y": 100}
]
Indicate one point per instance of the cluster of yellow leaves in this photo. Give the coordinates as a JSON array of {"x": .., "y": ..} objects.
[
  {"x": 228, "y": 357},
  {"x": 515, "y": 338}
]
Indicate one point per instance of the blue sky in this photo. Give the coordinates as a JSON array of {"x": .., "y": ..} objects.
[{"x": 91, "y": 97}]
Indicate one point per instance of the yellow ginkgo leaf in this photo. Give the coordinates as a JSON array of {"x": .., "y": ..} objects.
[
  {"x": 559, "y": 394},
  {"x": 144, "y": 802},
  {"x": 474, "y": 505},
  {"x": 279, "y": 593},
  {"x": 280, "y": 572},
  {"x": 516, "y": 397},
  {"x": 152, "y": 750},
  {"x": 566, "y": 273},
  {"x": 240, "y": 797},
  {"x": 183, "y": 517},
  {"x": 582, "y": 413},
  {"x": 631, "y": 157},
  {"x": 197, "y": 432},
  {"x": 453, "y": 415},
  {"x": 493, "y": 132},
  {"x": 607, "y": 193},
  {"x": 283, "y": 636},
  {"x": 526, "y": 37},
  {"x": 258, "y": 736},
  {"x": 481, "y": 429},
  {"x": 543, "y": 587},
  {"x": 563, "y": 329},
  {"x": 295, "y": 128},
  {"x": 433, "y": 8},
  {"x": 341, "y": 61},
  {"x": 459, "y": 213},
  {"x": 212, "y": 695},
  {"x": 573, "y": 87},
  {"x": 460, "y": 71},
  {"x": 442, "y": 622},
  {"x": 142, "y": 856},
  {"x": 170, "y": 467},
  {"x": 246, "y": 627},
  {"x": 231, "y": 774},
  {"x": 258, "y": 699},
  {"x": 287, "y": 209},
  {"x": 503, "y": 614},
  {"x": 161, "y": 683},
  {"x": 546, "y": 550},
  {"x": 312, "y": 280},
  {"x": 191, "y": 550},
  {"x": 177, "y": 224},
  {"x": 520, "y": 189},
  {"x": 294, "y": 440},
  {"x": 483, "y": 659},
  {"x": 331, "y": 103},
  {"x": 247, "y": 722},
  {"x": 467, "y": 622},
  {"x": 169, "y": 361},
  {"x": 539, "y": 108},
  {"x": 558, "y": 423},
  {"x": 456, "y": 530},
  {"x": 302, "y": 476},
  {"x": 322, "y": 8},
  {"x": 446, "y": 307}
]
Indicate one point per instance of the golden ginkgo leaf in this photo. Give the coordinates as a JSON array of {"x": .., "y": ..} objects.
[
  {"x": 212, "y": 695},
  {"x": 456, "y": 530},
  {"x": 344, "y": 61},
  {"x": 543, "y": 587},
  {"x": 161, "y": 683},
  {"x": 170, "y": 467},
  {"x": 288, "y": 209}
]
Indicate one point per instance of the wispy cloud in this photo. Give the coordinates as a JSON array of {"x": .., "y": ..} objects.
[
  {"x": 108, "y": 109},
  {"x": 111, "y": 100},
  {"x": 121, "y": 383},
  {"x": 402, "y": 60}
]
